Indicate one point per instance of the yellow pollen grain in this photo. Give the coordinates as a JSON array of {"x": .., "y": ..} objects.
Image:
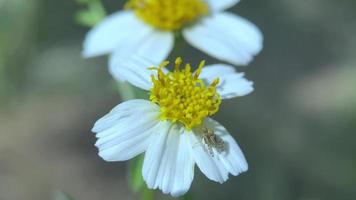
[
  {"x": 168, "y": 14},
  {"x": 182, "y": 96}
]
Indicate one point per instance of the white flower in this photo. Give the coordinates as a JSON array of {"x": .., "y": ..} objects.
[
  {"x": 147, "y": 27},
  {"x": 173, "y": 128}
]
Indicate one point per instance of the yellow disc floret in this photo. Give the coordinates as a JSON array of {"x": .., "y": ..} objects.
[
  {"x": 182, "y": 96},
  {"x": 168, "y": 14}
]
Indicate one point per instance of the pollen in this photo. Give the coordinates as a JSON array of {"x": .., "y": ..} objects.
[
  {"x": 182, "y": 96},
  {"x": 169, "y": 15}
]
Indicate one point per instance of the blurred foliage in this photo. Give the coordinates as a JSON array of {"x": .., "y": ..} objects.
[
  {"x": 16, "y": 42},
  {"x": 93, "y": 13}
]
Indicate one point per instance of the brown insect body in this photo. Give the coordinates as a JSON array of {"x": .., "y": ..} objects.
[{"x": 212, "y": 141}]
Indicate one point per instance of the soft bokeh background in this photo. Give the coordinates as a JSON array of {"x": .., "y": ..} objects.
[{"x": 297, "y": 130}]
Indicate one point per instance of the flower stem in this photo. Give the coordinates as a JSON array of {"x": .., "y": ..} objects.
[
  {"x": 147, "y": 194},
  {"x": 126, "y": 91},
  {"x": 136, "y": 182}
]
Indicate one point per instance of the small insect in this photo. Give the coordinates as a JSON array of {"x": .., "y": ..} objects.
[{"x": 212, "y": 141}]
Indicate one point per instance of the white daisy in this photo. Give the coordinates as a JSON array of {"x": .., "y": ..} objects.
[
  {"x": 147, "y": 27},
  {"x": 174, "y": 127}
]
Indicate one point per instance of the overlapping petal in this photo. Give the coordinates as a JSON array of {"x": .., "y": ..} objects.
[
  {"x": 168, "y": 163},
  {"x": 133, "y": 69},
  {"x": 112, "y": 32},
  {"x": 227, "y": 37},
  {"x": 154, "y": 46},
  {"x": 231, "y": 83},
  {"x": 219, "y": 5},
  {"x": 218, "y": 166},
  {"x": 124, "y": 132},
  {"x": 123, "y": 34}
]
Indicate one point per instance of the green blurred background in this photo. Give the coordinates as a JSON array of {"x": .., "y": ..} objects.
[{"x": 297, "y": 130}]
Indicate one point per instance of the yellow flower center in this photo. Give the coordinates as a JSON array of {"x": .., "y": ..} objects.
[
  {"x": 168, "y": 14},
  {"x": 182, "y": 96}
]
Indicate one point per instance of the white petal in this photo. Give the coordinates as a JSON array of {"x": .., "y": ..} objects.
[
  {"x": 125, "y": 132},
  {"x": 227, "y": 37},
  {"x": 112, "y": 32},
  {"x": 211, "y": 72},
  {"x": 231, "y": 83},
  {"x": 218, "y": 5},
  {"x": 218, "y": 166},
  {"x": 121, "y": 111},
  {"x": 168, "y": 163},
  {"x": 134, "y": 70},
  {"x": 153, "y": 46}
]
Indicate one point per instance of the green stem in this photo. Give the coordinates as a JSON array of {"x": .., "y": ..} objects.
[
  {"x": 136, "y": 182},
  {"x": 178, "y": 46},
  {"x": 126, "y": 91},
  {"x": 147, "y": 194}
]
